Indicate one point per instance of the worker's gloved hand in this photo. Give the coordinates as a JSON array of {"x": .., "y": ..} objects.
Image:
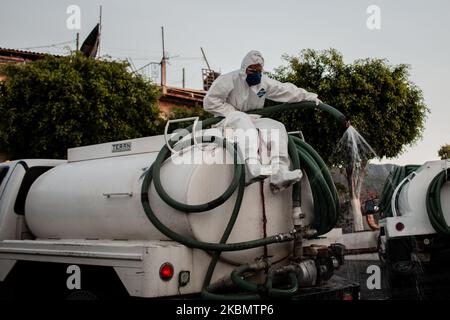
[
  {"x": 316, "y": 100},
  {"x": 284, "y": 178},
  {"x": 313, "y": 98}
]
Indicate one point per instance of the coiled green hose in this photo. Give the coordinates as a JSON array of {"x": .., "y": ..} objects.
[
  {"x": 190, "y": 242},
  {"x": 397, "y": 174},
  {"x": 326, "y": 199},
  {"x": 433, "y": 202}
]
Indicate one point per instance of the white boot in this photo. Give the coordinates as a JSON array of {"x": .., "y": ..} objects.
[
  {"x": 255, "y": 171},
  {"x": 283, "y": 177}
]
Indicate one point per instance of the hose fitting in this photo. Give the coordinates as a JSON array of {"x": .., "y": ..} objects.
[
  {"x": 283, "y": 237},
  {"x": 297, "y": 216}
]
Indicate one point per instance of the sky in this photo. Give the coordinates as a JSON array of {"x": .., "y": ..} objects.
[{"x": 416, "y": 33}]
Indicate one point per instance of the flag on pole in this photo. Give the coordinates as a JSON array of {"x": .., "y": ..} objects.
[{"x": 92, "y": 42}]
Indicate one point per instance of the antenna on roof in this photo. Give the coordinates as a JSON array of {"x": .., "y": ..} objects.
[
  {"x": 208, "y": 75},
  {"x": 204, "y": 57}
]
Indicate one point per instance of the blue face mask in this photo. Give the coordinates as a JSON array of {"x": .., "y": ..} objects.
[{"x": 254, "y": 78}]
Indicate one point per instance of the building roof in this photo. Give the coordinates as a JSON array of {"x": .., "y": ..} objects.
[
  {"x": 14, "y": 55},
  {"x": 182, "y": 96}
]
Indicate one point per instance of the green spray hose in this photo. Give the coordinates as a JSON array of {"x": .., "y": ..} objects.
[
  {"x": 303, "y": 105},
  {"x": 296, "y": 150},
  {"x": 433, "y": 202}
]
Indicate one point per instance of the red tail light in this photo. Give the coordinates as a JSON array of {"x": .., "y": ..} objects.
[
  {"x": 166, "y": 271},
  {"x": 347, "y": 297},
  {"x": 399, "y": 226}
]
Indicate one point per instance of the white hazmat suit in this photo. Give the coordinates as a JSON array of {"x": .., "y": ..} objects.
[{"x": 230, "y": 96}]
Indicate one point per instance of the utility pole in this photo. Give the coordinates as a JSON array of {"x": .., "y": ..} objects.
[
  {"x": 99, "y": 31},
  {"x": 78, "y": 41},
  {"x": 163, "y": 65},
  {"x": 183, "y": 79}
]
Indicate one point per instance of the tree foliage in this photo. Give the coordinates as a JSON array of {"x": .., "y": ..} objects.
[
  {"x": 444, "y": 152},
  {"x": 379, "y": 99},
  {"x": 56, "y": 103}
]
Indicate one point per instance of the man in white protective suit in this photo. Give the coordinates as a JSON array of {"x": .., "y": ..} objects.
[{"x": 233, "y": 94}]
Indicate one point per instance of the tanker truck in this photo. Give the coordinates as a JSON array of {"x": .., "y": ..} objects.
[
  {"x": 414, "y": 241},
  {"x": 129, "y": 218}
]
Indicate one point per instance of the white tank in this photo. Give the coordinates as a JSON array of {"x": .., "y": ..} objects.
[
  {"x": 96, "y": 195},
  {"x": 412, "y": 197}
]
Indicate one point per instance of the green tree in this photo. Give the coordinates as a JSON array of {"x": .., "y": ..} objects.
[
  {"x": 379, "y": 99},
  {"x": 56, "y": 103},
  {"x": 444, "y": 152}
]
